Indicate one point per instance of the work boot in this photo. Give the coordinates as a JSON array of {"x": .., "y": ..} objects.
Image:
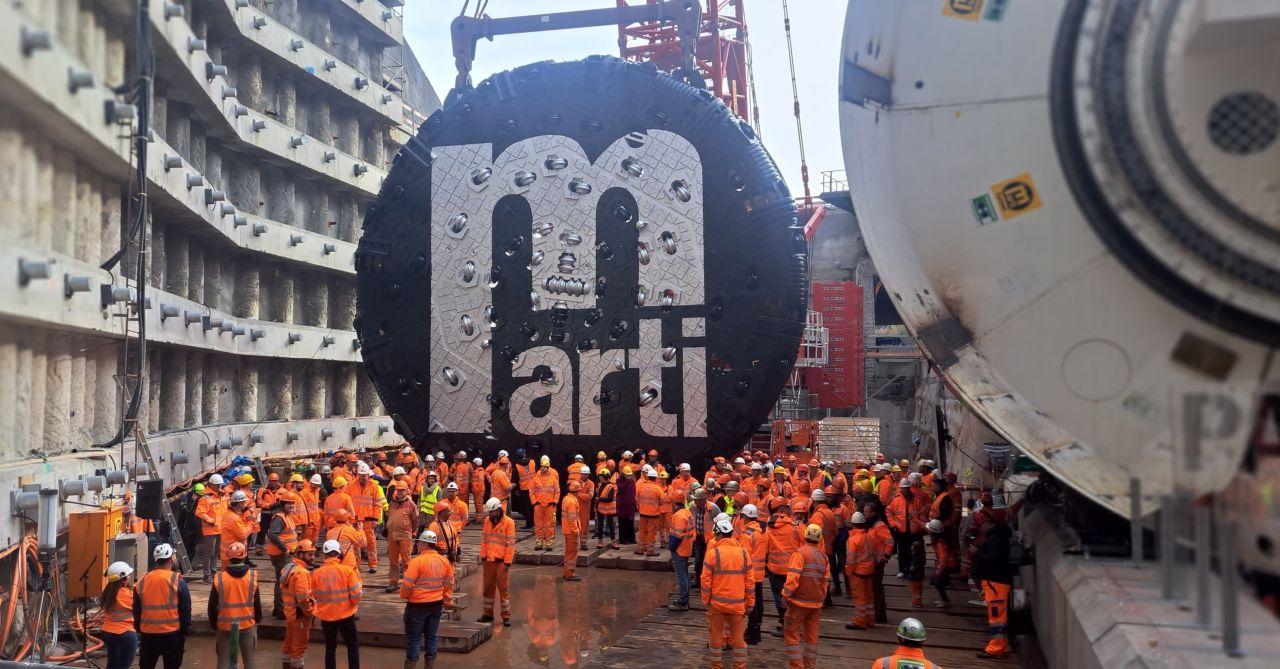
[
  {"x": 486, "y": 618},
  {"x": 582, "y": 546},
  {"x": 573, "y": 578},
  {"x": 851, "y": 626},
  {"x": 410, "y": 664},
  {"x": 287, "y": 664},
  {"x": 373, "y": 570},
  {"x": 392, "y": 588},
  {"x": 506, "y": 622},
  {"x": 677, "y": 606},
  {"x": 988, "y": 656}
]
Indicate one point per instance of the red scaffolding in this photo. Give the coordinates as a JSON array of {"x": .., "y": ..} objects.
[{"x": 722, "y": 52}]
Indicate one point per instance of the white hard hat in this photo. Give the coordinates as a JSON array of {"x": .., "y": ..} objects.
[
  {"x": 651, "y": 473},
  {"x": 724, "y": 525},
  {"x": 585, "y": 470},
  {"x": 363, "y": 469},
  {"x": 927, "y": 463},
  {"x": 119, "y": 570},
  {"x": 755, "y": 466},
  {"x": 914, "y": 477},
  {"x": 162, "y": 552},
  {"x": 477, "y": 462},
  {"x": 818, "y": 495},
  {"x": 398, "y": 471},
  {"x": 739, "y": 461},
  {"x": 934, "y": 526},
  {"x": 427, "y": 537},
  {"x": 439, "y": 454},
  {"x": 626, "y": 454},
  {"x": 577, "y": 457},
  {"x": 216, "y": 479},
  {"x": 684, "y": 467},
  {"x": 722, "y": 516},
  {"x": 452, "y": 486},
  {"x": 904, "y": 483},
  {"x": 431, "y": 458},
  {"x": 858, "y": 518},
  {"x": 460, "y": 455},
  {"x": 544, "y": 461},
  {"x": 750, "y": 511},
  {"x": 503, "y": 454},
  {"x": 431, "y": 473},
  {"x": 316, "y": 480},
  {"x": 331, "y": 546},
  {"x": 239, "y": 496},
  {"x": 406, "y": 450},
  {"x": 494, "y": 504}
]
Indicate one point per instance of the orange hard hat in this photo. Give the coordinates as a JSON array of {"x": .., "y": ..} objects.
[
  {"x": 830, "y": 490},
  {"x": 399, "y": 485},
  {"x": 813, "y": 463},
  {"x": 287, "y": 497},
  {"x": 305, "y": 546},
  {"x": 740, "y": 499},
  {"x": 653, "y": 452},
  {"x": 273, "y": 477},
  {"x": 838, "y": 484},
  {"x": 574, "y": 486},
  {"x": 800, "y": 505},
  {"x": 342, "y": 515},
  {"x": 352, "y": 457},
  {"x": 237, "y": 550},
  {"x": 722, "y": 479}
]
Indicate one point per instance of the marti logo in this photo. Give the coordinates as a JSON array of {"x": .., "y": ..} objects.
[{"x": 567, "y": 295}]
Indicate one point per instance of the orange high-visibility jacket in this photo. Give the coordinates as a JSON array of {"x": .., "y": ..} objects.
[
  {"x": 339, "y": 499},
  {"x": 118, "y": 616},
  {"x": 295, "y": 590},
  {"x": 544, "y": 489},
  {"x": 678, "y": 491},
  {"x": 728, "y": 582},
  {"x": 158, "y": 591},
  {"x": 266, "y": 497},
  {"x": 608, "y": 500},
  {"x": 783, "y": 537},
  {"x": 884, "y": 540},
  {"x": 945, "y": 509},
  {"x": 301, "y": 511},
  {"x": 904, "y": 658},
  {"x": 569, "y": 515},
  {"x": 498, "y": 541},
  {"x": 366, "y": 498},
  {"x": 825, "y": 518},
  {"x": 500, "y": 484},
  {"x": 752, "y": 538},
  {"x": 527, "y": 471},
  {"x": 863, "y": 551},
  {"x": 209, "y": 510},
  {"x": 907, "y": 516},
  {"x": 462, "y": 476},
  {"x": 351, "y": 540},
  {"x": 682, "y": 528},
  {"x": 887, "y": 489},
  {"x": 427, "y": 579},
  {"x": 235, "y": 599},
  {"x": 648, "y": 499},
  {"x": 446, "y": 538},
  {"x": 288, "y": 536},
  {"x": 336, "y": 589},
  {"x": 807, "y": 575},
  {"x": 477, "y": 482},
  {"x": 234, "y": 528},
  {"x": 586, "y": 491},
  {"x": 311, "y": 497}
]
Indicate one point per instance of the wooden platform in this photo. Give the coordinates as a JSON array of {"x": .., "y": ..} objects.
[{"x": 956, "y": 634}]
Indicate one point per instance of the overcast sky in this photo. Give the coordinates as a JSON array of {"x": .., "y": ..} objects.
[{"x": 816, "y": 26}]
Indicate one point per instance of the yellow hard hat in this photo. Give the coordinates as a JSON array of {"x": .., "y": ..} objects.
[
  {"x": 865, "y": 484},
  {"x": 779, "y": 470},
  {"x": 297, "y": 478},
  {"x": 626, "y": 471},
  {"x": 813, "y": 533},
  {"x": 904, "y": 462},
  {"x": 896, "y": 469},
  {"x": 339, "y": 482}
]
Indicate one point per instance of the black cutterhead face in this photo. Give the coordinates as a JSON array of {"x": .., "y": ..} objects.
[{"x": 582, "y": 257}]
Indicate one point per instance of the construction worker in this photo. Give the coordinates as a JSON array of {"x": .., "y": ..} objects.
[
  {"x": 994, "y": 574},
  {"x": 497, "y": 552},
  {"x": 457, "y": 507},
  {"x": 574, "y": 471},
  {"x": 945, "y": 561},
  {"x": 477, "y": 488},
  {"x": 728, "y": 591},
  {"x": 282, "y": 541},
  {"x": 664, "y": 514},
  {"x": 338, "y": 500},
  {"x": 116, "y": 603},
  {"x": 805, "y": 590},
  {"x": 337, "y": 592},
  {"x": 235, "y": 609},
  {"x": 678, "y": 492},
  {"x": 301, "y": 513},
  {"x": 862, "y": 553},
  {"x": 500, "y": 482},
  {"x": 526, "y": 468},
  {"x": 446, "y": 533},
  {"x": 368, "y": 499},
  {"x": 234, "y": 527},
  {"x": 570, "y": 523},
  {"x": 824, "y": 517},
  {"x": 427, "y": 499},
  {"x": 783, "y": 537},
  {"x": 402, "y": 527},
  {"x": 544, "y": 494},
  {"x": 162, "y": 609},
  {"x": 209, "y": 510},
  {"x": 265, "y": 501},
  {"x": 298, "y": 604},
  {"x": 311, "y": 494},
  {"x": 883, "y": 540},
  {"x": 910, "y": 651},
  {"x": 649, "y": 506},
  {"x": 348, "y": 537},
  {"x": 680, "y": 544},
  {"x": 704, "y": 515},
  {"x": 427, "y": 587},
  {"x": 462, "y": 471},
  {"x": 751, "y": 535},
  {"x": 586, "y": 496},
  {"x": 907, "y": 514},
  {"x": 607, "y": 512},
  {"x": 626, "y": 505}
]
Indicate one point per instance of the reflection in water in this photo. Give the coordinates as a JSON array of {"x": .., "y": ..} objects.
[{"x": 558, "y": 624}]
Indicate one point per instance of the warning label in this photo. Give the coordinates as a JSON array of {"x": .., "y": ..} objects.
[
  {"x": 969, "y": 10},
  {"x": 1017, "y": 196}
]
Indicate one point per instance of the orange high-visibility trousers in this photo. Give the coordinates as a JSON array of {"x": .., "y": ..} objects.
[
  {"x": 917, "y": 593},
  {"x": 718, "y": 623},
  {"x": 646, "y": 533},
  {"x": 996, "y": 595},
  {"x": 863, "y": 589},
  {"x": 297, "y": 633},
  {"x": 399, "y": 552},
  {"x": 313, "y": 532},
  {"x": 544, "y": 522},
  {"x": 370, "y": 543},
  {"x": 570, "y": 554},
  {"x": 664, "y": 529},
  {"x": 477, "y": 502},
  {"x": 583, "y": 521},
  {"x": 800, "y": 634},
  {"x": 496, "y": 582}
]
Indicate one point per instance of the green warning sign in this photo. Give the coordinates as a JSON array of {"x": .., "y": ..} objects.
[{"x": 984, "y": 210}]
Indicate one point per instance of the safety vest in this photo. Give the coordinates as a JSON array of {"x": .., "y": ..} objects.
[
  {"x": 729, "y": 567},
  {"x": 288, "y": 536},
  {"x": 266, "y": 497},
  {"x": 649, "y": 499},
  {"x": 336, "y": 500},
  {"x": 783, "y": 538},
  {"x": 569, "y": 515},
  {"x": 235, "y": 599},
  {"x": 427, "y": 579},
  {"x": 586, "y": 491},
  {"x": 498, "y": 542},
  {"x": 904, "y": 657},
  {"x": 862, "y": 551},
  {"x": 301, "y": 511},
  {"x": 757, "y": 545},
  {"x": 295, "y": 589},
  {"x": 158, "y": 591},
  {"x": 462, "y": 476},
  {"x": 544, "y": 488},
  {"x": 427, "y": 501},
  {"x": 682, "y": 528},
  {"x": 527, "y": 471},
  {"x": 119, "y": 614},
  {"x": 209, "y": 509},
  {"x": 807, "y": 574},
  {"x": 349, "y": 538},
  {"x": 336, "y": 589},
  {"x": 366, "y": 499},
  {"x": 310, "y": 495},
  {"x": 608, "y": 508}
]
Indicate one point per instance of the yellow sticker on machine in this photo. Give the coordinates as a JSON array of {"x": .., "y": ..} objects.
[
  {"x": 1017, "y": 196},
  {"x": 969, "y": 10}
]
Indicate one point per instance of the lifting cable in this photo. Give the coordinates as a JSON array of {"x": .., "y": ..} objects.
[{"x": 795, "y": 95}]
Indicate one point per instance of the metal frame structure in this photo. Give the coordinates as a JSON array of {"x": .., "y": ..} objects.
[{"x": 721, "y": 53}]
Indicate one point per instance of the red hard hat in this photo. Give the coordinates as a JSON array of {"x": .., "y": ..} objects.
[{"x": 740, "y": 499}]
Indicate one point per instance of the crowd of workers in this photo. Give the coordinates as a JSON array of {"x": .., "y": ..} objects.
[{"x": 808, "y": 527}]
